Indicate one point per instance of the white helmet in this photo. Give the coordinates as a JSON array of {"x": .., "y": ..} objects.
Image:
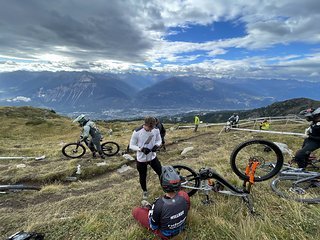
[{"x": 81, "y": 119}]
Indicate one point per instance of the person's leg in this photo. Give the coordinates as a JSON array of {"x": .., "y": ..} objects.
[
  {"x": 303, "y": 154},
  {"x": 92, "y": 148},
  {"x": 141, "y": 215},
  {"x": 156, "y": 166},
  {"x": 142, "y": 169}
]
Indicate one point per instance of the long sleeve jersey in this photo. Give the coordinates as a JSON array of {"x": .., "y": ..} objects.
[{"x": 141, "y": 138}]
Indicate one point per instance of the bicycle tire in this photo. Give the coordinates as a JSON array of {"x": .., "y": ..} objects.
[
  {"x": 19, "y": 187},
  {"x": 110, "y": 148},
  {"x": 256, "y": 149},
  {"x": 73, "y": 150},
  {"x": 190, "y": 178},
  {"x": 305, "y": 192}
]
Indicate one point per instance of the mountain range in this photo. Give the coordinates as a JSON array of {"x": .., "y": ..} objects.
[{"x": 68, "y": 92}]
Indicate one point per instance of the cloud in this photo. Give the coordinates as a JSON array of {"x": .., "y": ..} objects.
[
  {"x": 122, "y": 35},
  {"x": 19, "y": 99}
]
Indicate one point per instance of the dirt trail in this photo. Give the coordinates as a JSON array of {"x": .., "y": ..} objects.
[{"x": 21, "y": 199}]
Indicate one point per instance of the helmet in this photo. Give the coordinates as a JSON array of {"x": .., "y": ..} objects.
[
  {"x": 81, "y": 119},
  {"x": 170, "y": 180},
  {"x": 310, "y": 114}
]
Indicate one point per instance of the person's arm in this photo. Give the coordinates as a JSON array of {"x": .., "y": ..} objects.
[
  {"x": 155, "y": 215},
  {"x": 157, "y": 141},
  {"x": 134, "y": 142},
  {"x": 314, "y": 132},
  {"x": 85, "y": 132}
]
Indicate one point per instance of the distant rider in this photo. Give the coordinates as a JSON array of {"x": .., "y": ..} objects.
[
  {"x": 90, "y": 130},
  {"x": 167, "y": 216},
  {"x": 234, "y": 120},
  {"x": 312, "y": 142}
]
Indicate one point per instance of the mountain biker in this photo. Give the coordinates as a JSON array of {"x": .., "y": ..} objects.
[
  {"x": 146, "y": 140},
  {"x": 234, "y": 119},
  {"x": 166, "y": 217},
  {"x": 196, "y": 122},
  {"x": 162, "y": 130},
  {"x": 90, "y": 130},
  {"x": 312, "y": 142}
]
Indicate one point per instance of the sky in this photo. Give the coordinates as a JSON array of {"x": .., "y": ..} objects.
[{"x": 259, "y": 39}]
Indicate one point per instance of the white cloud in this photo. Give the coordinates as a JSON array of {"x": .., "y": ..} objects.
[
  {"x": 19, "y": 99},
  {"x": 122, "y": 35}
]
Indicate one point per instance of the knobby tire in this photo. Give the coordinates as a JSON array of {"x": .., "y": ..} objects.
[
  {"x": 267, "y": 153},
  {"x": 73, "y": 150}
]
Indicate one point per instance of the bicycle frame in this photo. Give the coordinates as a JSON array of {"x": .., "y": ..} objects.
[
  {"x": 205, "y": 175},
  {"x": 303, "y": 186}
]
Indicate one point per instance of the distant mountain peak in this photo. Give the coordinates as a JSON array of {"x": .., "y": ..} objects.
[{"x": 85, "y": 78}]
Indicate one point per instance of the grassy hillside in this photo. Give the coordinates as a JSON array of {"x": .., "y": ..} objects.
[
  {"x": 99, "y": 205},
  {"x": 283, "y": 108}
]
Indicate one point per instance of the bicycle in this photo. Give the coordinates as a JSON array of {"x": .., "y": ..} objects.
[
  {"x": 298, "y": 185},
  {"x": 77, "y": 149},
  {"x": 292, "y": 183},
  {"x": 203, "y": 180},
  {"x": 229, "y": 125},
  {"x": 17, "y": 188},
  {"x": 266, "y": 157}
]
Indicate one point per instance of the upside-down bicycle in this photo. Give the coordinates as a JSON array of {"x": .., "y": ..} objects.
[
  {"x": 247, "y": 161},
  {"x": 292, "y": 183}
]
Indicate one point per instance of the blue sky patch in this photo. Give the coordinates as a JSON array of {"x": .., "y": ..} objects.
[{"x": 212, "y": 32}]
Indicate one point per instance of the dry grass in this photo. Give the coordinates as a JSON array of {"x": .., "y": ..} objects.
[{"x": 99, "y": 205}]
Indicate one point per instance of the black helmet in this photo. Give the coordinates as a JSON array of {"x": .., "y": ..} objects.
[
  {"x": 170, "y": 179},
  {"x": 310, "y": 114}
]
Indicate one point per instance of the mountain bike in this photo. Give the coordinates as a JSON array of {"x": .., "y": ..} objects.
[
  {"x": 208, "y": 180},
  {"x": 77, "y": 149},
  {"x": 266, "y": 157},
  {"x": 292, "y": 183},
  {"x": 229, "y": 125},
  {"x": 17, "y": 188},
  {"x": 298, "y": 185}
]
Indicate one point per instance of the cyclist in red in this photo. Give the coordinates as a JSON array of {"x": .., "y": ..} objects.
[
  {"x": 167, "y": 216},
  {"x": 312, "y": 142}
]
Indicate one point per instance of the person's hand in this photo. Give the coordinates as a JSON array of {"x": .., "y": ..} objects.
[
  {"x": 145, "y": 204},
  {"x": 146, "y": 151},
  {"x": 155, "y": 148}
]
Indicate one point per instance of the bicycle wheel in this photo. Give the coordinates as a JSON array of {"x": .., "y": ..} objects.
[
  {"x": 190, "y": 179},
  {"x": 73, "y": 150},
  {"x": 227, "y": 127},
  {"x": 306, "y": 191},
  {"x": 110, "y": 148},
  {"x": 266, "y": 153}
]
